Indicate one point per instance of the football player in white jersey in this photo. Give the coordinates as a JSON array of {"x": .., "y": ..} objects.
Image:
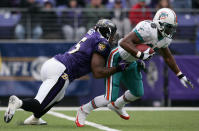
[{"x": 158, "y": 35}]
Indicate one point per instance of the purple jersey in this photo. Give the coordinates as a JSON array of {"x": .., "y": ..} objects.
[{"x": 78, "y": 59}]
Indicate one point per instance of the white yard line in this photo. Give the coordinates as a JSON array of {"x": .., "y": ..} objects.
[
  {"x": 99, "y": 126},
  {"x": 127, "y": 108},
  {"x": 133, "y": 109}
]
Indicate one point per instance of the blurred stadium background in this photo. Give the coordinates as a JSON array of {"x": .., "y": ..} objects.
[{"x": 31, "y": 31}]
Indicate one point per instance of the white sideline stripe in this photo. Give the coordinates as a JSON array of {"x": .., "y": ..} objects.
[
  {"x": 127, "y": 108},
  {"x": 99, "y": 126}
]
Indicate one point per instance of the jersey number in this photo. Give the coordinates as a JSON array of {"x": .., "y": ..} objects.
[{"x": 78, "y": 45}]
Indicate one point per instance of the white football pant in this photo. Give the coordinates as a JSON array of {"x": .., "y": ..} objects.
[{"x": 55, "y": 82}]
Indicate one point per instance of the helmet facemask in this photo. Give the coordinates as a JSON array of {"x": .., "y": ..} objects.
[
  {"x": 105, "y": 32},
  {"x": 107, "y": 29},
  {"x": 167, "y": 30}
]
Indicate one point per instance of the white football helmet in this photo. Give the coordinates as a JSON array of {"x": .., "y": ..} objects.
[{"x": 166, "y": 21}]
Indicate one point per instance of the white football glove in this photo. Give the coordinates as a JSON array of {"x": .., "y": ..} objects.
[
  {"x": 144, "y": 55},
  {"x": 185, "y": 81}
]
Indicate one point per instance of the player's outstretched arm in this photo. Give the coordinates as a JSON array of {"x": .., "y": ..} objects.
[
  {"x": 170, "y": 61},
  {"x": 100, "y": 71}
]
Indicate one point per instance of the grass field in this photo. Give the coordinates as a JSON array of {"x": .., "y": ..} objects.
[{"x": 139, "y": 121}]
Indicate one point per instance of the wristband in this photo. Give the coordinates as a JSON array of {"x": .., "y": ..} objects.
[
  {"x": 180, "y": 75},
  {"x": 140, "y": 55}
]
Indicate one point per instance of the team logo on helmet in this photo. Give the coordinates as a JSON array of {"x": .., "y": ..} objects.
[
  {"x": 101, "y": 47},
  {"x": 163, "y": 15}
]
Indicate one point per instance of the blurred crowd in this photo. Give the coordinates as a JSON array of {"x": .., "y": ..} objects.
[{"x": 51, "y": 19}]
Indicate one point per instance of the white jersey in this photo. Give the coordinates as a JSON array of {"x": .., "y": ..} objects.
[{"x": 147, "y": 32}]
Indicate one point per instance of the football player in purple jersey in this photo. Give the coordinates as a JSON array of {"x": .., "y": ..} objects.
[{"x": 89, "y": 54}]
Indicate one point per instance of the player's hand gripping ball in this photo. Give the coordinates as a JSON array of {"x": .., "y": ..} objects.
[{"x": 146, "y": 51}]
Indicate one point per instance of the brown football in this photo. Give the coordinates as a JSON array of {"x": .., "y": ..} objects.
[{"x": 144, "y": 47}]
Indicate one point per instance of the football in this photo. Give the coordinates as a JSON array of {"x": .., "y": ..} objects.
[{"x": 144, "y": 47}]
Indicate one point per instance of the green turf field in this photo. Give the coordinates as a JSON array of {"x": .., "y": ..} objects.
[{"x": 139, "y": 121}]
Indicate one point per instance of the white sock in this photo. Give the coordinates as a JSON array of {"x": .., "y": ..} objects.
[
  {"x": 97, "y": 102},
  {"x": 88, "y": 107},
  {"x": 124, "y": 99}
]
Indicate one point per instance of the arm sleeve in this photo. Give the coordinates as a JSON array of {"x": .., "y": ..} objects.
[
  {"x": 103, "y": 49},
  {"x": 143, "y": 31}
]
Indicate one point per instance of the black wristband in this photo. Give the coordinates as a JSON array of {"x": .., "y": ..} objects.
[
  {"x": 180, "y": 76},
  {"x": 141, "y": 56}
]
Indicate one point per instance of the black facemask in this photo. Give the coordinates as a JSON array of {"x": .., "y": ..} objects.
[{"x": 169, "y": 29}]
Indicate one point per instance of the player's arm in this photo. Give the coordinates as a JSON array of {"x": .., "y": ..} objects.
[
  {"x": 100, "y": 71},
  {"x": 129, "y": 42},
  {"x": 170, "y": 61}
]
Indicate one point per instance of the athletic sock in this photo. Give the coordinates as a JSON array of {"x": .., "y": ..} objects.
[
  {"x": 97, "y": 102},
  {"x": 124, "y": 99},
  {"x": 31, "y": 105},
  {"x": 41, "y": 113}
]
